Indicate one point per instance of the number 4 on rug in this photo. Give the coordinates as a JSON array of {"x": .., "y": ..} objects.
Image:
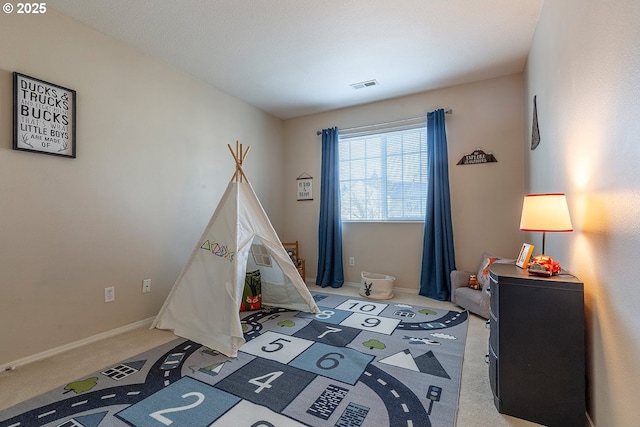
[{"x": 265, "y": 384}]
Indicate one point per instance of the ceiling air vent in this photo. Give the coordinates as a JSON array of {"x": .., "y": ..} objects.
[{"x": 362, "y": 85}]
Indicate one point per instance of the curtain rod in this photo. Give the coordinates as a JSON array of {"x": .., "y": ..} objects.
[{"x": 448, "y": 111}]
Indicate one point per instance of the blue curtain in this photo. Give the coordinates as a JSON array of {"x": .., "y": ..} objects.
[
  {"x": 330, "y": 269},
  {"x": 438, "y": 258}
]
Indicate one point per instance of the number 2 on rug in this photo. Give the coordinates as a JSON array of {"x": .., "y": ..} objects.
[{"x": 158, "y": 415}]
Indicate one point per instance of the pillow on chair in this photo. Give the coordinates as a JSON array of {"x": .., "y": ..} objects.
[{"x": 483, "y": 271}]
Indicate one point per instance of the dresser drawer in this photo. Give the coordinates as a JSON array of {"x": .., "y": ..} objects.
[
  {"x": 493, "y": 372},
  {"x": 495, "y": 290},
  {"x": 494, "y": 342}
]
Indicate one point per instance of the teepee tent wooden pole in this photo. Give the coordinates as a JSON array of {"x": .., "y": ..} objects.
[{"x": 239, "y": 157}]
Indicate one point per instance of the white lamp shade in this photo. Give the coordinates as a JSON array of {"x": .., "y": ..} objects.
[{"x": 545, "y": 212}]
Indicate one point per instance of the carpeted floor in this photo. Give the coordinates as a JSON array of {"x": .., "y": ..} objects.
[
  {"x": 476, "y": 408},
  {"x": 358, "y": 362}
]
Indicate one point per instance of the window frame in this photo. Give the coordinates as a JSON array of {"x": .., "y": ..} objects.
[{"x": 384, "y": 133}]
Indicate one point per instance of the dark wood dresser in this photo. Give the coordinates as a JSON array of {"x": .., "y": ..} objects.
[{"x": 536, "y": 346}]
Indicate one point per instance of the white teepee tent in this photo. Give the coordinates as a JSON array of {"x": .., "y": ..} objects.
[{"x": 203, "y": 304}]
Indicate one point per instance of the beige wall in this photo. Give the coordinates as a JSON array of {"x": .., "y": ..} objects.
[
  {"x": 584, "y": 67},
  {"x": 152, "y": 163},
  {"x": 485, "y": 199}
]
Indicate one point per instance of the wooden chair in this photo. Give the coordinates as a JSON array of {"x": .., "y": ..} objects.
[{"x": 293, "y": 251}]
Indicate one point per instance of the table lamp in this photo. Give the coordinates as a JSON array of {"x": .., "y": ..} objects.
[{"x": 545, "y": 212}]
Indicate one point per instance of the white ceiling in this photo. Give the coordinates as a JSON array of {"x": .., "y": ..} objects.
[{"x": 292, "y": 58}]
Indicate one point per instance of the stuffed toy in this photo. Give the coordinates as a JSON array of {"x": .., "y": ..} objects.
[{"x": 473, "y": 282}]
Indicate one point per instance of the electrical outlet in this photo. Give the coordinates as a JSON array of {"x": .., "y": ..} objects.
[
  {"x": 146, "y": 286},
  {"x": 352, "y": 261},
  {"x": 109, "y": 294}
]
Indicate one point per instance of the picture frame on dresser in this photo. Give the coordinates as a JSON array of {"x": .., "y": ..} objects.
[{"x": 525, "y": 255}]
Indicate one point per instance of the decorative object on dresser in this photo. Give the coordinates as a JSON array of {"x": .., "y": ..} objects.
[
  {"x": 536, "y": 346},
  {"x": 475, "y": 299},
  {"x": 525, "y": 255},
  {"x": 545, "y": 212}
]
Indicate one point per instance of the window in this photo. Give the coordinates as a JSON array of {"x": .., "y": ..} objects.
[
  {"x": 383, "y": 176},
  {"x": 260, "y": 255}
]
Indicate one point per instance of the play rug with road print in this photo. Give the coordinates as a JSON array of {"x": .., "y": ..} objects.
[{"x": 357, "y": 363}]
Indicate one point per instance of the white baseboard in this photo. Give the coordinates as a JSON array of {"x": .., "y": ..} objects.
[
  {"x": 352, "y": 284},
  {"x": 89, "y": 340}
]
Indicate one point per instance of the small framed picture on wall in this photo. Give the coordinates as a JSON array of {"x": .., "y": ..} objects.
[
  {"x": 305, "y": 187},
  {"x": 44, "y": 117},
  {"x": 525, "y": 255}
]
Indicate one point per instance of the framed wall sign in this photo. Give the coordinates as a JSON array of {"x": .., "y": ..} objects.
[
  {"x": 305, "y": 187},
  {"x": 476, "y": 157},
  {"x": 44, "y": 117}
]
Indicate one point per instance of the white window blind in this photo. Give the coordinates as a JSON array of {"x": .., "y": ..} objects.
[{"x": 383, "y": 175}]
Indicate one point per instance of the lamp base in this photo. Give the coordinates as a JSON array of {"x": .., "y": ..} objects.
[{"x": 543, "y": 265}]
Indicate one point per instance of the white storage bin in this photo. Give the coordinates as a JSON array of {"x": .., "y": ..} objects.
[{"x": 376, "y": 286}]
